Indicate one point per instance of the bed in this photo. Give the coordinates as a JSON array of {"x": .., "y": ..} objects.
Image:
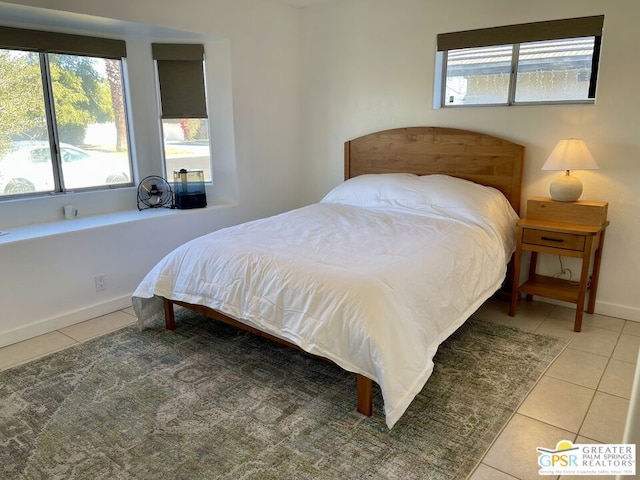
[{"x": 376, "y": 275}]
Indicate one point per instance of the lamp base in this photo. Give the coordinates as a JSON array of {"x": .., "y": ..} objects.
[{"x": 566, "y": 188}]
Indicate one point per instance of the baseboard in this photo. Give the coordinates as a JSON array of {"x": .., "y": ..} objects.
[
  {"x": 602, "y": 308},
  {"x": 51, "y": 324},
  {"x": 619, "y": 311}
]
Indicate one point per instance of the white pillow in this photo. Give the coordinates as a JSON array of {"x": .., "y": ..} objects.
[
  {"x": 422, "y": 193},
  {"x": 471, "y": 202},
  {"x": 376, "y": 190},
  {"x": 432, "y": 195}
]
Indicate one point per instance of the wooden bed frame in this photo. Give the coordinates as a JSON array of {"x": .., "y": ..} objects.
[{"x": 474, "y": 156}]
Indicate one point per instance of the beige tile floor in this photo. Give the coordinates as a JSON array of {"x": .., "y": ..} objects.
[
  {"x": 583, "y": 397},
  {"x": 36, "y": 347}
]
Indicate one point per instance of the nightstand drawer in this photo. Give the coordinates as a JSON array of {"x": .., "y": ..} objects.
[{"x": 566, "y": 241}]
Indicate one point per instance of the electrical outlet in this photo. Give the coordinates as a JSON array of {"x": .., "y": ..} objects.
[{"x": 101, "y": 283}]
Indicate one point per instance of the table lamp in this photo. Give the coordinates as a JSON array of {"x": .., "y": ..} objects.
[{"x": 570, "y": 154}]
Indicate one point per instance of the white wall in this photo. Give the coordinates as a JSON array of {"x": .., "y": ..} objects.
[
  {"x": 369, "y": 65},
  {"x": 300, "y": 83},
  {"x": 253, "y": 70}
]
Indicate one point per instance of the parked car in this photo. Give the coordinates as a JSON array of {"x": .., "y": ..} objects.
[{"x": 27, "y": 167}]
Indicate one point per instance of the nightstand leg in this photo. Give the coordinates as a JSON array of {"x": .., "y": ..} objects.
[
  {"x": 515, "y": 282},
  {"x": 593, "y": 289},
  {"x": 533, "y": 266},
  {"x": 584, "y": 280},
  {"x": 577, "y": 325}
]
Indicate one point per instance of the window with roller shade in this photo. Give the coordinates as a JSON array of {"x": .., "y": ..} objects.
[
  {"x": 63, "y": 122},
  {"x": 544, "y": 62},
  {"x": 183, "y": 107}
]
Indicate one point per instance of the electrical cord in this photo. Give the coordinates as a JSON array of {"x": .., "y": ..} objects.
[{"x": 564, "y": 271}]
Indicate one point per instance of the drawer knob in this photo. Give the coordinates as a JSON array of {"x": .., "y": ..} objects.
[{"x": 549, "y": 239}]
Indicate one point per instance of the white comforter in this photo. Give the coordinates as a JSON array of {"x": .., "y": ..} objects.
[{"x": 375, "y": 289}]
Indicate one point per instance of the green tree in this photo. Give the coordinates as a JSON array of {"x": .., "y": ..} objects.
[
  {"x": 21, "y": 101},
  {"x": 82, "y": 95}
]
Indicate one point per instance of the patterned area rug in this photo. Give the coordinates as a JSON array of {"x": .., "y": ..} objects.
[{"x": 209, "y": 402}]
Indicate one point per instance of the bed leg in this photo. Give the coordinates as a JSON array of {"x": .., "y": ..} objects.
[
  {"x": 365, "y": 395},
  {"x": 169, "y": 315}
]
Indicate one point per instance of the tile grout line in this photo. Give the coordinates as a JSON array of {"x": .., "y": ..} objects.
[
  {"x": 600, "y": 382},
  {"x": 596, "y": 390}
]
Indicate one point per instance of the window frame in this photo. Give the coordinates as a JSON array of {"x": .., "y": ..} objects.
[
  {"x": 44, "y": 44},
  {"x": 515, "y": 35}
]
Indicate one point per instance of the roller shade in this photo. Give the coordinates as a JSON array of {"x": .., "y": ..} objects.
[
  {"x": 526, "y": 32},
  {"x": 181, "y": 79},
  {"x": 61, "y": 43}
]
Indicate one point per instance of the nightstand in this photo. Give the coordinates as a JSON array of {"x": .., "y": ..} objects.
[{"x": 570, "y": 229}]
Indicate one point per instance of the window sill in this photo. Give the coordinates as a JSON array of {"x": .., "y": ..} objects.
[{"x": 42, "y": 230}]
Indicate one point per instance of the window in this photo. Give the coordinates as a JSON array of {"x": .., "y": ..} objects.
[
  {"x": 185, "y": 128},
  {"x": 63, "y": 122},
  {"x": 544, "y": 62}
]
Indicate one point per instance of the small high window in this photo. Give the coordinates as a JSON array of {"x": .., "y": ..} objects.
[
  {"x": 185, "y": 128},
  {"x": 543, "y": 62}
]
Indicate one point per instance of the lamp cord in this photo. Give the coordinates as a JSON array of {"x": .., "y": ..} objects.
[{"x": 564, "y": 271}]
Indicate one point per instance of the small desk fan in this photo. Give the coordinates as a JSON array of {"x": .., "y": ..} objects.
[{"x": 154, "y": 192}]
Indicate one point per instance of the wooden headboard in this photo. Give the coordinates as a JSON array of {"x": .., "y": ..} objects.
[{"x": 470, "y": 155}]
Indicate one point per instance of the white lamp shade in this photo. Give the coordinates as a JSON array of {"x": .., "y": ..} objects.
[{"x": 570, "y": 154}]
